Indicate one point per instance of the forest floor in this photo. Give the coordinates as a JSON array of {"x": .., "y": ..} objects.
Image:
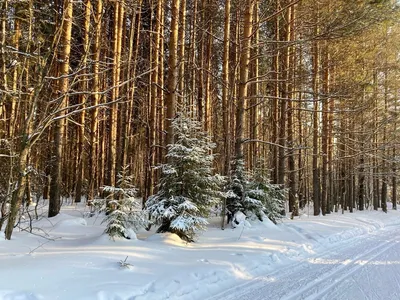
[{"x": 339, "y": 256}]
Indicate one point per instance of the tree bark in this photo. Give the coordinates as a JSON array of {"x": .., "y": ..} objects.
[
  {"x": 225, "y": 100},
  {"x": 315, "y": 165},
  {"x": 115, "y": 94},
  {"x": 80, "y": 170},
  {"x": 243, "y": 77},
  {"x": 173, "y": 72},
  {"x": 95, "y": 98},
  {"x": 59, "y": 130}
]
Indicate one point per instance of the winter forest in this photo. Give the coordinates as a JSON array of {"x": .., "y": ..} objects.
[
  {"x": 133, "y": 131},
  {"x": 252, "y": 106}
]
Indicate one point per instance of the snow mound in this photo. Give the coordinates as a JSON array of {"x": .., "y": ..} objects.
[
  {"x": 265, "y": 223},
  {"x": 105, "y": 240},
  {"x": 166, "y": 238},
  {"x": 71, "y": 222},
  {"x": 104, "y": 295},
  {"x": 239, "y": 220},
  {"x": 59, "y": 217},
  {"x": 10, "y": 295},
  {"x": 130, "y": 234},
  {"x": 70, "y": 227}
]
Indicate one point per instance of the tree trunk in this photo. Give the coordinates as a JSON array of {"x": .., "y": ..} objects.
[
  {"x": 116, "y": 74},
  {"x": 325, "y": 134},
  {"x": 283, "y": 102},
  {"x": 18, "y": 193},
  {"x": 59, "y": 130},
  {"x": 181, "y": 54},
  {"x": 80, "y": 170},
  {"x": 225, "y": 99},
  {"x": 254, "y": 156},
  {"x": 275, "y": 102},
  {"x": 94, "y": 142},
  {"x": 173, "y": 72},
  {"x": 394, "y": 167},
  {"x": 293, "y": 193},
  {"x": 315, "y": 166},
  {"x": 243, "y": 77}
]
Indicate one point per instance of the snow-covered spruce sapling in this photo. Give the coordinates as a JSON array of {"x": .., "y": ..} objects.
[
  {"x": 253, "y": 194},
  {"x": 272, "y": 197},
  {"x": 122, "y": 208},
  {"x": 238, "y": 198},
  {"x": 187, "y": 188},
  {"x": 124, "y": 264}
]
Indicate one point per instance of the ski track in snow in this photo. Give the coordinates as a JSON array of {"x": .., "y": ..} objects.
[{"x": 340, "y": 273}]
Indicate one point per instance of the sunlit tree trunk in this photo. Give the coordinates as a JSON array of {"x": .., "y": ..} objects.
[
  {"x": 325, "y": 128},
  {"x": 226, "y": 87},
  {"x": 161, "y": 93},
  {"x": 315, "y": 164},
  {"x": 173, "y": 72},
  {"x": 375, "y": 143},
  {"x": 255, "y": 86},
  {"x": 361, "y": 168},
  {"x": 14, "y": 122},
  {"x": 3, "y": 15},
  {"x": 193, "y": 47},
  {"x": 384, "y": 190},
  {"x": 83, "y": 99},
  {"x": 181, "y": 54},
  {"x": 243, "y": 77},
  {"x": 59, "y": 128},
  {"x": 95, "y": 97},
  {"x": 225, "y": 98},
  {"x": 115, "y": 94},
  {"x": 154, "y": 76},
  {"x": 293, "y": 190},
  {"x": 283, "y": 102},
  {"x": 275, "y": 101},
  {"x": 394, "y": 166},
  {"x": 207, "y": 79}
]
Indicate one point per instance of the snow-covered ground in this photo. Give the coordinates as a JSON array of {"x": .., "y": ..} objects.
[{"x": 339, "y": 256}]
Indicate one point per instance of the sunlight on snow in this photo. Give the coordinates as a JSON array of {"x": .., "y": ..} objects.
[
  {"x": 377, "y": 262},
  {"x": 324, "y": 261},
  {"x": 241, "y": 275}
]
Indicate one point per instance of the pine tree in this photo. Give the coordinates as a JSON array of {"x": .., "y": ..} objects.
[
  {"x": 124, "y": 211},
  {"x": 187, "y": 187}
]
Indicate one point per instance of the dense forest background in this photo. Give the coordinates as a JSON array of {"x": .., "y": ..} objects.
[{"x": 304, "y": 91}]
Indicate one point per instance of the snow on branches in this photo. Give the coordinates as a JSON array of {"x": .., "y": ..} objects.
[
  {"x": 253, "y": 194},
  {"x": 187, "y": 188},
  {"x": 122, "y": 208}
]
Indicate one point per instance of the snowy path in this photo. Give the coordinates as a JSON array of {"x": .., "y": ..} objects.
[{"x": 364, "y": 268}]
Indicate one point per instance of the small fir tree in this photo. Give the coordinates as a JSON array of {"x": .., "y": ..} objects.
[
  {"x": 238, "y": 197},
  {"x": 123, "y": 209},
  {"x": 253, "y": 194},
  {"x": 187, "y": 188},
  {"x": 272, "y": 196}
]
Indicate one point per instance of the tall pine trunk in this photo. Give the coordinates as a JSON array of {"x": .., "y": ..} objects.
[
  {"x": 83, "y": 99},
  {"x": 95, "y": 99},
  {"x": 173, "y": 72},
  {"x": 59, "y": 130},
  {"x": 225, "y": 99},
  {"x": 243, "y": 77}
]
